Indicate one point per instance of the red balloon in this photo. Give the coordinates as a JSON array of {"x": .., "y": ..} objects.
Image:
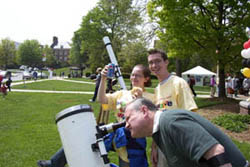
[{"x": 247, "y": 44}]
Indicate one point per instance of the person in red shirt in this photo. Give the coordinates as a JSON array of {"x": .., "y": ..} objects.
[
  {"x": 1, "y": 79},
  {"x": 4, "y": 90}
]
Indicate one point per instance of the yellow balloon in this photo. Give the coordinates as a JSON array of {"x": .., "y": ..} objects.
[{"x": 246, "y": 72}]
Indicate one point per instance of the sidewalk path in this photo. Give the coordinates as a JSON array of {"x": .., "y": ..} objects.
[
  {"x": 67, "y": 80},
  {"x": 51, "y": 91},
  {"x": 27, "y": 82}
]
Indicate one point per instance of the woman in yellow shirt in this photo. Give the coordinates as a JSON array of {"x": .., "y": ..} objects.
[{"x": 132, "y": 153}]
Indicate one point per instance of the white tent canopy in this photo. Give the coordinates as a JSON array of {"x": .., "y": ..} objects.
[
  {"x": 198, "y": 70},
  {"x": 202, "y": 76}
]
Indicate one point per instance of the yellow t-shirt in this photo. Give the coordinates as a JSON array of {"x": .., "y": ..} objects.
[
  {"x": 175, "y": 93},
  {"x": 118, "y": 100}
]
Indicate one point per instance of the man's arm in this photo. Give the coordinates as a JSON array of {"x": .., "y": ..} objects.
[{"x": 216, "y": 154}]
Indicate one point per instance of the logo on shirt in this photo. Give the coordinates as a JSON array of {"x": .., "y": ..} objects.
[{"x": 166, "y": 104}]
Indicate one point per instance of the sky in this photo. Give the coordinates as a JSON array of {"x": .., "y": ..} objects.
[{"x": 42, "y": 19}]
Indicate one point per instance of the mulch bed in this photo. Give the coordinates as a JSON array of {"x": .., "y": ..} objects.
[{"x": 215, "y": 111}]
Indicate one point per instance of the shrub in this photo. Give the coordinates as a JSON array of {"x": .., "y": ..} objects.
[{"x": 233, "y": 122}]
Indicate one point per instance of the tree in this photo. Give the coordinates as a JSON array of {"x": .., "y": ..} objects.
[
  {"x": 50, "y": 60},
  {"x": 117, "y": 19},
  {"x": 77, "y": 58},
  {"x": 133, "y": 53},
  {"x": 203, "y": 27},
  {"x": 30, "y": 53},
  {"x": 7, "y": 53}
]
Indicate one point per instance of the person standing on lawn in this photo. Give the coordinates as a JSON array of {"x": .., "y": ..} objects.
[
  {"x": 172, "y": 92},
  {"x": 3, "y": 89},
  {"x": 1, "y": 80},
  {"x": 213, "y": 86},
  {"x": 191, "y": 83},
  {"x": 97, "y": 83},
  {"x": 8, "y": 83}
]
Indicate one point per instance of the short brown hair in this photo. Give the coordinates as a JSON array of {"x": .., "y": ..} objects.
[
  {"x": 138, "y": 102},
  {"x": 161, "y": 52},
  {"x": 146, "y": 73}
]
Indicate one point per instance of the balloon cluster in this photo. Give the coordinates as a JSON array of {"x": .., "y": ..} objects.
[{"x": 245, "y": 53}]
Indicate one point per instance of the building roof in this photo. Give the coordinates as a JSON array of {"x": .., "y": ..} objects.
[{"x": 64, "y": 45}]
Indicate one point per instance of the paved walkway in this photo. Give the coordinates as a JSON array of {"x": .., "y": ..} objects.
[{"x": 51, "y": 91}]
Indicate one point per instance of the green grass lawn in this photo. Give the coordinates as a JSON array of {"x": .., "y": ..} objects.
[
  {"x": 204, "y": 102},
  {"x": 27, "y": 126},
  {"x": 202, "y": 88},
  {"x": 81, "y": 79},
  {"x": 66, "y": 71},
  {"x": 27, "y": 122}
]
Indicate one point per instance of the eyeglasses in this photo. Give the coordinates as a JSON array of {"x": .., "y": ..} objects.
[
  {"x": 156, "y": 62},
  {"x": 136, "y": 75}
]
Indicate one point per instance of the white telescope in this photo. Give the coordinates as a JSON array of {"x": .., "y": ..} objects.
[
  {"x": 78, "y": 133},
  {"x": 114, "y": 61}
]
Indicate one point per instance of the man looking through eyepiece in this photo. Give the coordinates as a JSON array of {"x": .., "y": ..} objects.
[{"x": 185, "y": 138}]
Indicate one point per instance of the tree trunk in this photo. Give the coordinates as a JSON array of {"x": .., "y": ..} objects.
[
  {"x": 178, "y": 67},
  {"x": 222, "y": 92}
]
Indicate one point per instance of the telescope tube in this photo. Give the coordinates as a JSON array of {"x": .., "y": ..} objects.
[
  {"x": 77, "y": 129},
  {"x": 114, "y": 61}
]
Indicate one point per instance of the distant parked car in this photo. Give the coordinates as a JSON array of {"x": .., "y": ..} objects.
[
  {"x": 42, "y": 75},
  {"x": 36, "y": 69},
  {"x": 5, "y": 74},
  {"x": 27, "y": 75},
  {"x": 23, "y": 67},
  {"x": 39, "y": 74}
]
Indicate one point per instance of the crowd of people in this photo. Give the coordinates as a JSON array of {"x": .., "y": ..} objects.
[
  {"x": 181, "y": 138},
  {"x": 236, "y": 85}
]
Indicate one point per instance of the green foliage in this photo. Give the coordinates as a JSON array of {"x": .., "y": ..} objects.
[
  {"x": 50, "y": 58},
  {"x": 197, "y": 29},
  {"x": 132, "y": 54},
  {"x": 7, "y": 53},
  {"x": 30, "y": 53},
  {"x": 77, "y": 58},
  {"x": 117, "y": 19},
  {"x": 233, "y": 122}
]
